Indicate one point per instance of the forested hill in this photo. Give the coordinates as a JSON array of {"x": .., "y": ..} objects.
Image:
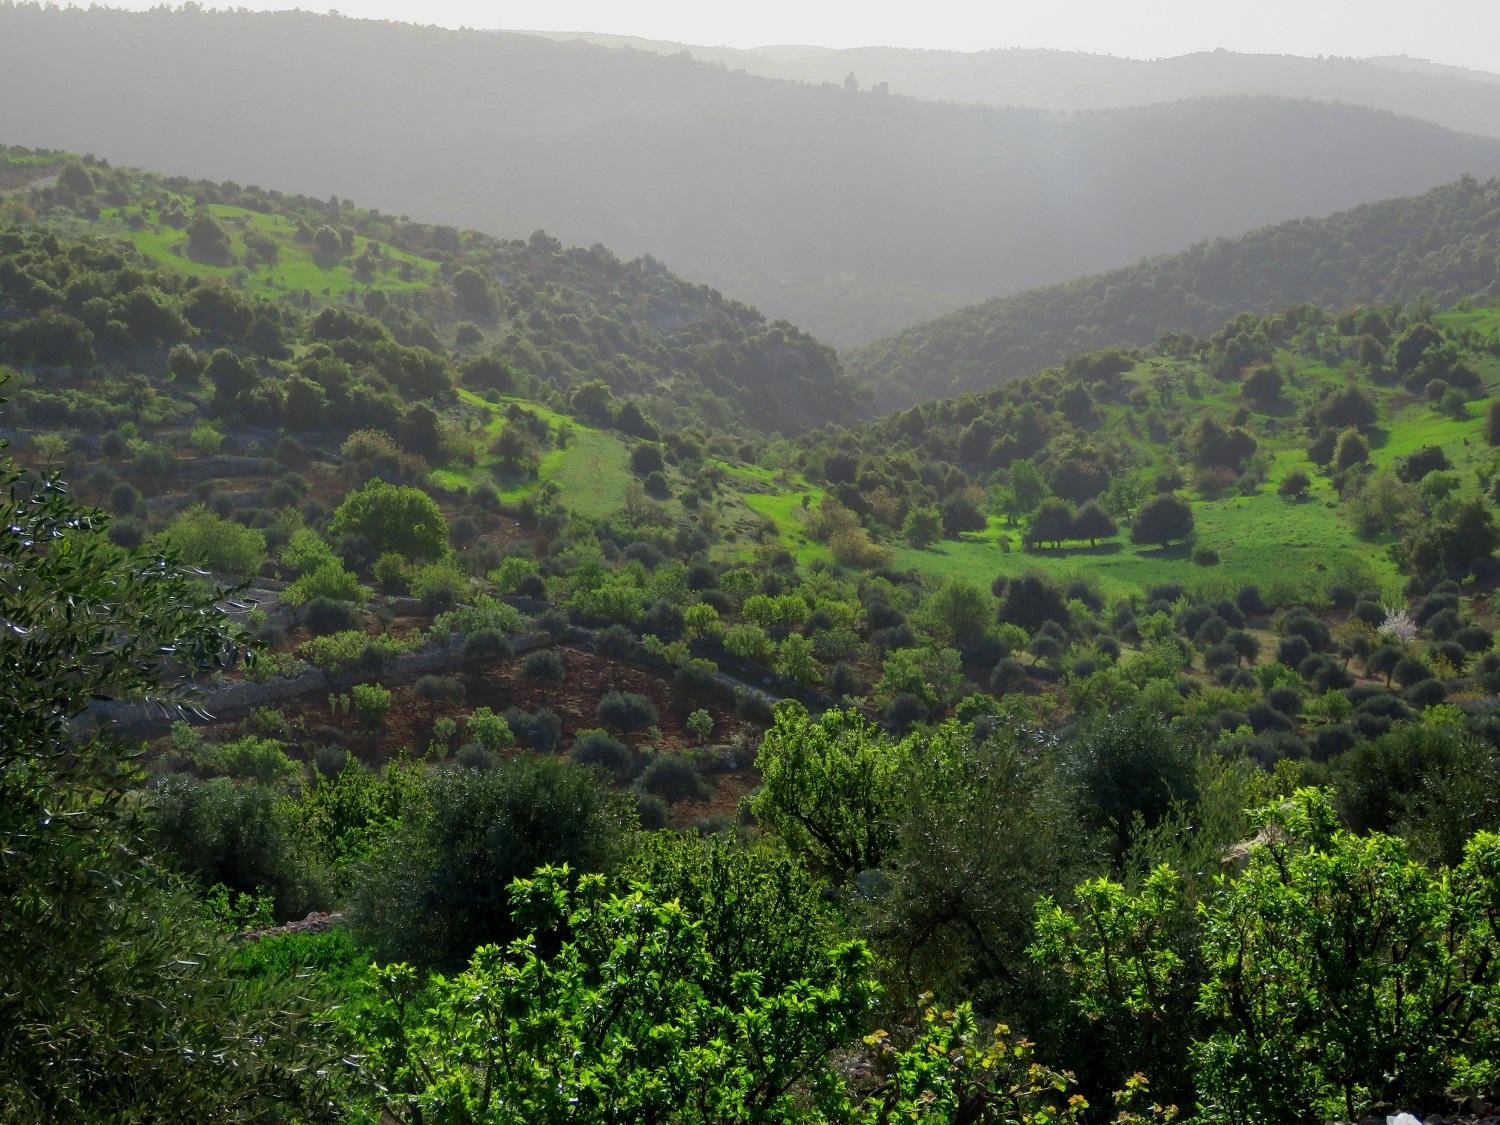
[
  {"x": 1445, "y": 243},
  {"x": 531, "y": 312},
  {"x": 1074, "y": 81},
  {"x": 851, "y": 213}
]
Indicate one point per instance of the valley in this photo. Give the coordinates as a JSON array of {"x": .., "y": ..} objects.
[{"x": 465, "y": 662}]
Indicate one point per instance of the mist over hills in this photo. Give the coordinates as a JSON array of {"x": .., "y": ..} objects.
[
  {"x": 853, "y": 214},
  {"x": 1444, "y": 244},
  {"x": 1073, "y": 81}
]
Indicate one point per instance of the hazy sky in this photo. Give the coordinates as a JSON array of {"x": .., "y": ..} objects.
[{"x": 1461, "y": 32}]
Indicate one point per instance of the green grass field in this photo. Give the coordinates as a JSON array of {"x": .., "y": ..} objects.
[
  {"x": 1292, "y": 550},
  {"x": 295, "y": 268}
]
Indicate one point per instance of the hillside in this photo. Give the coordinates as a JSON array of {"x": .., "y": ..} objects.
[
  {"x": 541, "y": 314},
  {"x": 1223, "y": 422},
  {"x": 401, "y": 722},
  {"x": 1074, "y": 81},
  {"x": 1444, "y": 243},
  {"x": 851, "y": 213}
]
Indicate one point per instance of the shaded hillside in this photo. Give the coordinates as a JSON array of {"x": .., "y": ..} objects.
[
  {"x": 1073, "y": 81},
  {"x": 852, "y": 213},
  {"x": 539, "y": 313},
  {"x": 1445, "y": 243}
]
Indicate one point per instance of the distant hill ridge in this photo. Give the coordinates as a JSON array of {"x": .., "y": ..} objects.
[
  {"x": 851, "y": 214},
  {"x": 1074, "y": 81},
  {"x": 1445, "y": 243}
]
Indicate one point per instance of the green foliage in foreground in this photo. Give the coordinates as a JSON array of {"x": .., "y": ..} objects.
[
  {"x": 117, "y": 1000},
  {"x": 598, "y": 1013},
  {"x": 437, "y": 886},
  {"x": 1336, "y": 973}
]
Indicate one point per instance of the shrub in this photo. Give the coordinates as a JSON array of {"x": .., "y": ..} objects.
[
  {"x": 438, "y": 887},
  {"x": 905, "y": 710},
  {"x": 536, "y": 730},
  {"x": 490, "y": 730},
  {"x": 843, "y": 680},
  {"x": 472, "y": 756},
  {"x": 249, "y": 758},
  {"x": 391, "y": 572},
  {"x": 1008, "y": 676},
  {"x": 127, "y": 533},
  {"x": 349, "y": 649},
  {"x": 483, "y": 613},
  {"x": 701, "y": 723},
  {"x": 305, "y": 551},
  {"x": 1294, "y": 485},
  {"x": 1205, "y": 556},
  {"x": 439, "y": 689},
  {"x": 201, "y": 538},
  {"x": 674, "y": 779},
  {"x": 330, "y": 760},
  {"x": 245, "y": 837},
  {"x": 545, "y": 666},
  {"x": 485, "y": 645},
  {"x": 749, "y": 642},
  {"x": 439, "y": 586},
  {"x": 322, "y": 616},
  {"x": 752, "y": 706},
  {"x": 392, "y": 518},
  {"x": 651, "y": 811},
  {"x": 599, "y": 748},
  {"x": 694, "y": 679},
  {"x": 626, "y": 711},
  {"x": 330, "y": 581},
  {"x": 370, "y": 702},
  {"x": 645, "y": 459}
]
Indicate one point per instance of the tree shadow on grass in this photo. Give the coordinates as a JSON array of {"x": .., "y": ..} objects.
[
  {"x": 1171, "y": 551},
  {"x": 1108, "y": 548},
  {"x": 1279, "y": 407}
]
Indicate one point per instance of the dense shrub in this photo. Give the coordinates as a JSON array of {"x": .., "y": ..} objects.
[
  {"x": 246, "y": 837},
  {"x": 370, "y": 703},
  {"x": 486, "y": 645},
  {"x": 472, "y": 756},
  {"x": 1008, "y": 676},
  {"x": 674, "y": 779},
  {"x": 694, "y": 680},
  {"x": 249, "y": 758},
  {"x": 626, "y": 711},
  {"x": 545, "y": 666},
  {"x": 536, "y": 730},
  {"x": 330, "y": 760},
  {"x": 203, "y": 539},
  {"x": 599, "y": 748},
  {"x": 438, "y": 888},
  {"x": 322, "y": 616}
]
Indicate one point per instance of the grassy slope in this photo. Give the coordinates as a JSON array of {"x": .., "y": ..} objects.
[
  {"x": 294, "y": 269},
  {"x": 593, "y": 474},
  {"x": 1291, "y": 550}
]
